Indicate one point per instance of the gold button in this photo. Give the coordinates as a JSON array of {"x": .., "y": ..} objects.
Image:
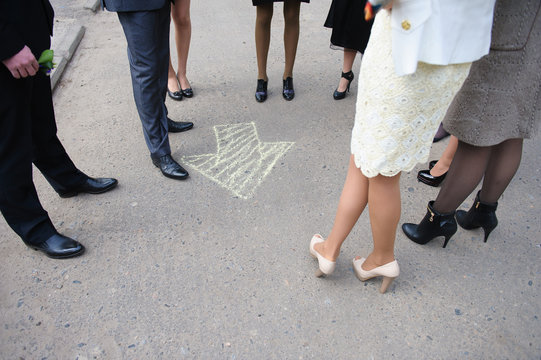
[{"x": 406, "y": 25}]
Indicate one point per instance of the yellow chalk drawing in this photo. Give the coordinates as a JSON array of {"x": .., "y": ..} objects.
[{"x": 241, "y": 161}]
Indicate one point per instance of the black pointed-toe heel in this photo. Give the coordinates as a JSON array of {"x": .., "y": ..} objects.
[
  {"x": 432, "y": 164},
  {"x": 339, "y": 95},
  {"x": 481, "y": 214},
  {"x": 175, "y": 95},
  {"x": 187, "y": 93},
  {"x": 288, "y": 92},
  {"x": 425, "y": 177},
  {"x": 433, "y": 225},
  {"x": 261, "y": 90}
]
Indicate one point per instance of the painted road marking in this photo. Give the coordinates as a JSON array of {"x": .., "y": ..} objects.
[{"x": 241, "y": 162}]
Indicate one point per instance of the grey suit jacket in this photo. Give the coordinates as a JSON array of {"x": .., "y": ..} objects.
[{"x": 133, "y": 5}]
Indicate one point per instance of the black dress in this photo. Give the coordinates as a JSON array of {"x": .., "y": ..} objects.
[
  {"x": 261, "y": 2},
  {"x": 349, "y": 29}
]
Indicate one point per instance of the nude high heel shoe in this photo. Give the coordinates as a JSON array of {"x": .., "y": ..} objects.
[
  {"x": 325, "y": 267},
  {"x": 389, "y": 272}
]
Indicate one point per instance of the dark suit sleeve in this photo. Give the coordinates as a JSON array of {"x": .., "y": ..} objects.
[{"x": 10, "y": 41}]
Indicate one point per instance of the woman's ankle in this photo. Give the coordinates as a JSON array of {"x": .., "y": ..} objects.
[
  {"x": 327, "y": 251},
  {"x": 172, "y": 84},
  {"x": 374, "y": 260},
  {"x": 439, "y": 169}
]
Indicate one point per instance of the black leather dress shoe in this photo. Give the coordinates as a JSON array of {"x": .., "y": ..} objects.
[
  {"x": 187, "y": 92},
  {"x": 170, "y": 168},
  {"x": 175, "y": 95},
  {"x": 288, "y": 92},
  {"x": 178, "y": 126},
  {"x": 59, "y": 247},
  {"x": 261, "y": 90},
  {"x": 425, "y": 177},
  {"x": 91, "y": 186}
]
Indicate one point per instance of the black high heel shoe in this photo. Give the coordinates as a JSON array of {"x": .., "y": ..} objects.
[
  {"x": 175, "y": 95},
  {"x": 481, "y": 214},
  {"x": 433, "y": 225},
  {"x": 339, "y": 95},
  {"x": 187, "y": 92},
  {"x": 261, "y": 90},
  {"x": 425, "y": 177},
  {"x": 288, "y": 92}
]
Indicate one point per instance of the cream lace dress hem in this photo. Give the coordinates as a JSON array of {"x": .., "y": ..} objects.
[{"x": 397, "y": 116}]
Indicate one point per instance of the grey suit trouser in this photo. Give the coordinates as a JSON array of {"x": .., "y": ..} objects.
[{"x": 147, "y": 34}]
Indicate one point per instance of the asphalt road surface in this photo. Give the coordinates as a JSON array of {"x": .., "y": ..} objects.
[{"x": 217, "y": 267}]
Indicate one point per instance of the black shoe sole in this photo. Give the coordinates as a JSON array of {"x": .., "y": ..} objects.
[
  {"x": 430, "y": 183},
  {"x": 68, "y": 256},
  {"x": 171, "y": 176},
  {"x": 179, "y": 131},
  {"x": 77, "y": 192}
]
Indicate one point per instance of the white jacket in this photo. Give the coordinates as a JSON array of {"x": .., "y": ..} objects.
[{"x": 439, "y": 32}]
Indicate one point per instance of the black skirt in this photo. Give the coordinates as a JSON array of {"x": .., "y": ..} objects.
[
  {"x": 261, "y": 2},
  {"x": 349, "y": 29}
]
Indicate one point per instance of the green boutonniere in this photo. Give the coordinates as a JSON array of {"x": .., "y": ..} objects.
[{"x": 45, "y": 62}]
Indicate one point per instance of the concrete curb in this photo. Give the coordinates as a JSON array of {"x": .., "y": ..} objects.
[
  {"x": 65, "y": 50},
  {"x": 92, "y": 5}
]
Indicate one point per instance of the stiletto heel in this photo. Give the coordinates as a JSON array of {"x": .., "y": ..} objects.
[
  {"x": 447, "y": 238},
  {"x": 339, "y": 95},
  {"x": 433, "y": 225},
  {"x": 481, "y": 214},
  {"x": 389, "y": 271},
  {"x": 325, "y": 267}
]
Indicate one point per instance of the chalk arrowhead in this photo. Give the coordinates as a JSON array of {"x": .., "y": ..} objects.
[{"x": 242, "y": 161}]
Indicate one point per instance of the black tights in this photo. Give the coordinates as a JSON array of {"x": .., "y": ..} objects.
[{"x": 496, "y": 165}]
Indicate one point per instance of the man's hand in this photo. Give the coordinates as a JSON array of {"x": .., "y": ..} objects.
[{"x": 22, "y": 64}]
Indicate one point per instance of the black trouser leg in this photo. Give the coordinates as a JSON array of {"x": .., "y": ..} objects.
[
  {"x": 19, "y": 201},
  {"x": 49, "y": 155}
]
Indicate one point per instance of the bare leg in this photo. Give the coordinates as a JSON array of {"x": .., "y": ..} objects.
[
  {"x": 502, "y": 167},
  {"x": 291, "y": 34},
  {"x": 384, "y": 207},
  {"x": 180, "y": 13},
  {"x": 172, "y": 82},
  {"x": 349, "y": 58},
  {"x": 262, "y": 37},
  {"x": 443, "y": 164},
  {"x": 351, "y": 205}
]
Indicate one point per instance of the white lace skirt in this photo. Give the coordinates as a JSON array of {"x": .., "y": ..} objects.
[{"x": 397, "y": 116}]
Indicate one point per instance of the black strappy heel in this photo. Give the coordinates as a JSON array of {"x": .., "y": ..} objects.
[{"x": 339, "y": 95}]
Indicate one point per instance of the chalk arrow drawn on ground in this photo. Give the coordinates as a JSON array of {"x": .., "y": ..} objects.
[{"x": 241, "y": 161}]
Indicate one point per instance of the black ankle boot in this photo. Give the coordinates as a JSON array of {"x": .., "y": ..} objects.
[
  {"x": 481, "y": 214},
  {"x": 433, "y": 225}
]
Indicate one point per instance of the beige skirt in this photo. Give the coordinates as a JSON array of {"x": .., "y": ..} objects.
[{"x": 397, "y": 116}]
